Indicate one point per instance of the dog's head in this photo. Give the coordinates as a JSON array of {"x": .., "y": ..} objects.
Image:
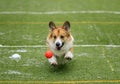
[{"x": 59, "y": 36}]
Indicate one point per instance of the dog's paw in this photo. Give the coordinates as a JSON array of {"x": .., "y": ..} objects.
[
  {"x": 53, "y": 61},
  {"x": 69, "y": 55},
  {"x": 54, "y": 64},
  {"x": 68, "y": 58}
]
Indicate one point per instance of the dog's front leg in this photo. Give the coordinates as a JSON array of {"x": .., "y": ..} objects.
[
  {"x": 53, "y": 61},
  {"x": 69, "y": 54}
]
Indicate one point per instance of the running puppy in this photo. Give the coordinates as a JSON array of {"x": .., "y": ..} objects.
[{"x": 60, "y": 42}]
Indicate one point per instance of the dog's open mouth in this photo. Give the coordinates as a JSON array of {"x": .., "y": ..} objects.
[{"x": 59, "y": 47}]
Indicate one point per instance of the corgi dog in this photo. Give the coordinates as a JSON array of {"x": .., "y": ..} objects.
[{"x": 60, "y": 42}]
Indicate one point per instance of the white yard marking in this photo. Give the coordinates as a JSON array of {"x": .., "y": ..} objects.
[
  {"x": 61, "y": 12},
  {"x": 23, "y": 46},
  {"x": 107, "y": 60},
  {"x": 78, "y": 22},
  {"x": 22, "y": 50},
  {"x": 96, "y": 45},
  {"x": 13, "y": 72},
  {"x": 40, "y": 46},
  {"x": 82, "y": 54}
]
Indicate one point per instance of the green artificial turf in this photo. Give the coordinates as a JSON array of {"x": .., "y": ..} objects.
[{"x": 25, "y": 34}]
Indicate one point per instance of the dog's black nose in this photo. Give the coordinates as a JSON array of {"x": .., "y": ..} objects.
[{"x": 57, "y": 44}]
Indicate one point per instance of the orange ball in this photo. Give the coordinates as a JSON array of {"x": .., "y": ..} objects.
[{"x": 48, "y": 54}]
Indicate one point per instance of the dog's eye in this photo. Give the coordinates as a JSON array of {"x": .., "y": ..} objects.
[
  {"x": 61, "y": 37},
  {"x": 54, "y": 37}
]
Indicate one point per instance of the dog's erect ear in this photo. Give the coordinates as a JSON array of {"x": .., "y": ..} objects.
[
  {"x": 66, "y": 25},
  {"x": 52, "y": 25}
]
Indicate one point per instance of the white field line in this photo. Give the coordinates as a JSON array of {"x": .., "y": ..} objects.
[
  {"x": 40, "y": 46},
  {"x": 96, "y": 45},
  {"x": 107, "y": 60},
  {"x": 61, "y": 12}
]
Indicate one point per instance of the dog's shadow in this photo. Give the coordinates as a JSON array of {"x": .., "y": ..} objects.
[{"x": 63, "y": 68}]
